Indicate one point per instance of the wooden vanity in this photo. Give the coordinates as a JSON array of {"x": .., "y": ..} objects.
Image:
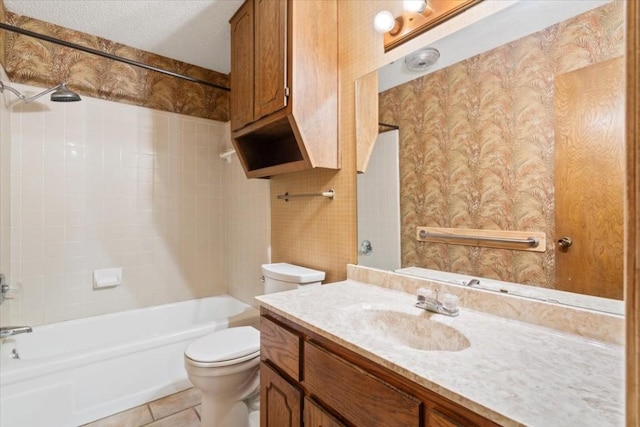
[
  {"x": 307, "y": 377},
  {"x": 325, "y": 362}
]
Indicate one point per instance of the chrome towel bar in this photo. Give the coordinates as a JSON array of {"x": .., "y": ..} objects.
[
  {"x": 286, "y": 196},
  {"x": 530, "y": 241}
]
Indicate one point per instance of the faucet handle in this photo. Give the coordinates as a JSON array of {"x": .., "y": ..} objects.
[
  {"x": 424, "y": 294},
  {"x": 450, "y": 302},
  {"x": 6, "y": 291}
]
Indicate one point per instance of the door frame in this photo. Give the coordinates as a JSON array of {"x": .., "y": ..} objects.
[{"x": 632, "y": 270}]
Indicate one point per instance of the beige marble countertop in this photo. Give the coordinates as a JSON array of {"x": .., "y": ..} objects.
[{"x": 513, "y": 373}]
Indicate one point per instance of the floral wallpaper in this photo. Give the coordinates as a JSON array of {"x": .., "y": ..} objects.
[
  {"x": 3, "y": 12},
  {"x": 476, "y": 145},
  {"x": 32, "y": 61}
]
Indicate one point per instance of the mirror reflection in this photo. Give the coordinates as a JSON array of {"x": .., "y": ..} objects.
[{"x": 526, "y": 136}]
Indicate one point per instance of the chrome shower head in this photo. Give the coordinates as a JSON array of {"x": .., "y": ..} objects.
[{"x": 63, "y": 94}]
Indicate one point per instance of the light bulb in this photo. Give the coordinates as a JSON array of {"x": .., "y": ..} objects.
[
  {"x": 384, "y": 21},
  {"x": 414, "y": 6}
]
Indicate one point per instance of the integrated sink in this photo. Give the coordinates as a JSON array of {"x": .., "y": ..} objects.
[{"x": 417, "y": 331}]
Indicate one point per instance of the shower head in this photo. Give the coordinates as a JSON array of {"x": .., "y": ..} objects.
[
  {"x": 63, "y": 94},
  {"x": 60, "y": 93}
]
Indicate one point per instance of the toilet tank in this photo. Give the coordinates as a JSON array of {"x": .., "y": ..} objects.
[{"x": 283, "y": 277}]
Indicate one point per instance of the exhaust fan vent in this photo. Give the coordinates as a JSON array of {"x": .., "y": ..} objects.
[{"x": 422, "y": 59}]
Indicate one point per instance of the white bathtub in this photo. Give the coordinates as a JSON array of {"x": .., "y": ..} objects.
[{"x": 74, "y": 372}]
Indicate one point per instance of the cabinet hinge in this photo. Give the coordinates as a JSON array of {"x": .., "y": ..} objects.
[{"x": 286, "y": 92}]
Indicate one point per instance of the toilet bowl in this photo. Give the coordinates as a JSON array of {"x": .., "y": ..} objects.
[{"x": 224, "y": 365}]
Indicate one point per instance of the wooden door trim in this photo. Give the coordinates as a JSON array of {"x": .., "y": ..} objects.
[{"x": 632, "y": 270}]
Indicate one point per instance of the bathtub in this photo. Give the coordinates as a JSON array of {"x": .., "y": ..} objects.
[{"x": 74, "y": 372}]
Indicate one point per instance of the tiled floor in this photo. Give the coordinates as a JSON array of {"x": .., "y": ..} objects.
[{"x": 176, "y": 410}]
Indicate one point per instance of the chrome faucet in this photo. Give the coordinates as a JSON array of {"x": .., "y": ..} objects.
[
  {"x": 472, "y": 282},
  {"x": 9, "y": 331},
  {"x": 448, "y": 307}
]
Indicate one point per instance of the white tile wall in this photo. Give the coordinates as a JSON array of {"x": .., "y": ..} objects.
[
  {"x": 379, "y": 204},
  {"x": 98, "y": 184},
  {"x": 5, "y": 164},
  {"x": 248, "y": 219}
]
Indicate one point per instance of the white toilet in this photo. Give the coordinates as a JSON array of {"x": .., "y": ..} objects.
[{"x": 224, "y": 365}]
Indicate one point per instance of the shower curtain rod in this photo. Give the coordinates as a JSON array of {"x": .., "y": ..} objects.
[{"x": 108, "y": 55}]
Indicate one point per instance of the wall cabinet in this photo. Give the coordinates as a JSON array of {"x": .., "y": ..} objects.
[
  {"x": 284, "y": 86},
  {"x": 332, "y": 386}
]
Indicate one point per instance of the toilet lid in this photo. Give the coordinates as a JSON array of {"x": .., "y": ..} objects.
[{"x": 225, "y": 345}]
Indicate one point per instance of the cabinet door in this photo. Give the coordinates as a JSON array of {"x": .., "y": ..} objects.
[
  {"x": 270, "y": 56},
  {"x": 280, "y": 402},
  {"x": 315, "y": 416},
  {"x": 242, "y": 51}
]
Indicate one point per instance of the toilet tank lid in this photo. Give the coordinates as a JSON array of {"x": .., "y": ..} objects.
[{"x": 292, "y": 273}]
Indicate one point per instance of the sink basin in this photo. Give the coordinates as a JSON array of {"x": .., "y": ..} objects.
[{"x": 418, "y": 331}]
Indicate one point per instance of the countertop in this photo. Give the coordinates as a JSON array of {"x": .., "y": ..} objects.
[{"x": 512, "y": 373}]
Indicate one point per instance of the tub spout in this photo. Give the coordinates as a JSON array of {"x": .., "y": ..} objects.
[{"x": 9, "y": 331}]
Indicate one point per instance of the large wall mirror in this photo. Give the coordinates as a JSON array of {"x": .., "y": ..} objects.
[{"x": 518, "y": 127}]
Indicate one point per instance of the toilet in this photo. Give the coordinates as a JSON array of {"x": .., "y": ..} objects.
[{"x": 224, "y": 365}]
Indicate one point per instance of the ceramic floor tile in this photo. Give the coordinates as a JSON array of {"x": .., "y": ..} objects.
[
  {"x": 186, "y": 418},
  {"x": 134, "y": 417},
  {"x": 175, "y": 403}
]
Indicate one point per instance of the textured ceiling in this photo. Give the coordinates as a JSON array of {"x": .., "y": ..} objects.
[{"x": 192, "y": 31}]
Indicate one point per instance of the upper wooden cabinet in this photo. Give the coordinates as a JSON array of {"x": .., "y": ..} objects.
[
  {"x": 284, "y": 86},
  {"x": 241, "y": 103}
]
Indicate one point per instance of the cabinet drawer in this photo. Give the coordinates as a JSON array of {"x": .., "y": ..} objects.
[
  {"x": 356, "y": 395},
  {"x": 281, "y": 347}
]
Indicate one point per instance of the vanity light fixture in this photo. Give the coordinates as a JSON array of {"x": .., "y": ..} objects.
[
  {"x": 417, "y": 6},
  {"x": 417, "y": 17},
  {"x": 385, "y": 22}
]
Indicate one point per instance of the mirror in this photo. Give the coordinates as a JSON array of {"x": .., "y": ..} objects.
[{"x": 502, "y": 134}]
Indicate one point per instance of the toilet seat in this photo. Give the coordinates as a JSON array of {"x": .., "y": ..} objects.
[{"x": 225, "y": 347}]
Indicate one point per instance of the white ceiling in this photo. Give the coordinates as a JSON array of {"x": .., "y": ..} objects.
[{"x": 192, "y": 31}]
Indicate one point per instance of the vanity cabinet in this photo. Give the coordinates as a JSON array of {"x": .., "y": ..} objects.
[
  {"x": 332, "y": 386},
  {"x": 284, "y": 86}
]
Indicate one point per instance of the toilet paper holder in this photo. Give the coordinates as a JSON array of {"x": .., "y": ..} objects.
[{"x": 107, "y": 278}]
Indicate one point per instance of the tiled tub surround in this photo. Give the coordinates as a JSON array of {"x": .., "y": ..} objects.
[
  {"x": 513, "y": 373},
  {"x": 97, "y": 184}
]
